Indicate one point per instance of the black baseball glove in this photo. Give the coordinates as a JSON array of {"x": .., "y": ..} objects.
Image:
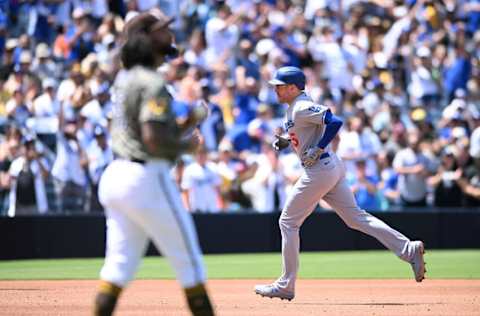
[{"x": 280, "y": 143}]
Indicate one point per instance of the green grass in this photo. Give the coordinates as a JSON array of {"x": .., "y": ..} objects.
[{"x": 442, "y": 264}]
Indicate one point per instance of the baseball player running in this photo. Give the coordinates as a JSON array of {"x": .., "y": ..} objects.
[
  {"x": 311, "y": 127},
  {"x": 140, "y": 198}
]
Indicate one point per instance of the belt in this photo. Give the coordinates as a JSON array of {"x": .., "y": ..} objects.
[{"x": 140, "y": 161}]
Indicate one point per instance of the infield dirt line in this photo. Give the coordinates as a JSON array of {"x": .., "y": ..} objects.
[{"x": 236, "y": 297}]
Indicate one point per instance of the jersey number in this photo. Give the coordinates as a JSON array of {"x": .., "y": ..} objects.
[{"x": 294, "y": 139}]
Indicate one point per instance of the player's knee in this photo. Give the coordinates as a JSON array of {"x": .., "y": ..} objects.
[
  {"x": 288, "y": 223},
  {"x": 198, "y": 301}
]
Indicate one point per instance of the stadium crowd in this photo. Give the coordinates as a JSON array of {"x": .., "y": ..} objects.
[{"x": 404, "y": 76}]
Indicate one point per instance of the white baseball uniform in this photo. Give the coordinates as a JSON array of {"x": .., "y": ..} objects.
[
  {"x": 324, "y": 180},
  {"x": 140, "y": 198}
]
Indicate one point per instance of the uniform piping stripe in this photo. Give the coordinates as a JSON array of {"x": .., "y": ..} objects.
[{"x": 182, "y": 227}]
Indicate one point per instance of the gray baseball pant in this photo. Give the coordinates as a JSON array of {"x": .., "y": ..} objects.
[{"x": 326, "y": 180}]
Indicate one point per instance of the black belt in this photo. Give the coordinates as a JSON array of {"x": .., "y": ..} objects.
[{"x": 140, "y": 161}]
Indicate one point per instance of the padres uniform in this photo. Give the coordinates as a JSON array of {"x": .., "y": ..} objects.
[{"x": 140, "y": 198}]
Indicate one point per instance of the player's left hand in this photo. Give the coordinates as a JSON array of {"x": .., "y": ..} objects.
[{"x": 311, "y": 155}]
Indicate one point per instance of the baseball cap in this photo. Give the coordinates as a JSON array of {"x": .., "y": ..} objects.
[
  {"x": 289, "y": 75},
  {"x": 424, "y": 52},
  {"x": 98, "y": 130}
]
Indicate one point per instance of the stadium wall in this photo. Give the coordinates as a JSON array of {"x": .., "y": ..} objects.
[{"x": 84, "y": 236}]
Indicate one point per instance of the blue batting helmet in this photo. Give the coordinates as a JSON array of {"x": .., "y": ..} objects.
[{"x": 289, "y": 75}]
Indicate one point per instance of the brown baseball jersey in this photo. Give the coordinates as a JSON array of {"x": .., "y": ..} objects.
[{"x": 140, "y": 96}]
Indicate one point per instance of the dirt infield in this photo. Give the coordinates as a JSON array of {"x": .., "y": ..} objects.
[{"x": 236, "y": 297}]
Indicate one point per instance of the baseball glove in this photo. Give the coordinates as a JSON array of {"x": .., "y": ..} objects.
[
  {"x": 311, "y": 155},
  {"x": 280, "y": 143}
]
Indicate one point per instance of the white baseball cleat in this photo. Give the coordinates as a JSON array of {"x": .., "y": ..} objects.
[
  {"x": 418, "y": 264},
  {"x": 270, "y": 290}
]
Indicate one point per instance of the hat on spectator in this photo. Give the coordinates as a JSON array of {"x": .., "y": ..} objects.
[
  {"x": 278, "y": 29},
  {"x": 49, "y": 83},
  {"x": 289, "y": 75},
  {"x": 25, "y": 57},
  {"x": 205, "y": 83},
  {"x": 130, "y": 15},
  {"x": 108, "y": 39},
  {"x": 225, "y": 146},
  {"x": 424, "y": 52},
  {"x": 98, "y": 130},
  {"x": 418, "y": 114},
  {"x": 42, "y": 51},
  {"x": 450, "y": 151},
  {"x": 263, "y": 108},
  {"x": 374, "y": 84},
  {"x": 459, "y": 132},
  {"x": 264, "y": 46},
  {"x": 78, "y": 13},
  {"x": 28, "y": 138},
  {"x": 11, "y": 43},
  {"x": 460, "y": 93}
]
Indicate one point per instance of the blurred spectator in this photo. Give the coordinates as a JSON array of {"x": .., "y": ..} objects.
[
  {"x": 358, "y": 142},
  {"x": 69, "y": 167},
  {"x": 99, "y": 155},
  {"x": 457, "y": 72},
  {"x": 389, "y": 195},
  {"x": 7, "y": 64},
  {"x": 246, "y": 99},
  {"x": 221, "y": 34},
  {"x": 267, "y": 187},
  {"x": 46, "y": 104},
  {"x": 446, "y": 191},
  {"x": 195, "y": 55},
  {"x": 213, "y": 127},
  {"x": 80, "y": 36},
  {"x": 424, "y": 86},
  {"x": 200, "y": 180},
  {"x": 9, "y": 151},
  {"x": 364, "y": 187},
  {"x": 17, "y": 109},
  {"x": 261, "y": 128},
  {"x": 469, "y": 180},
  {"x": 412, "y": 167},
  {"x": 28, "y": 173},
  {"x": 43, "y": 66}
]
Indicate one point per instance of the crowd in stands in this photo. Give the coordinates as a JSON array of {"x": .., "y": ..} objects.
[{"x": 403, "y": 75}]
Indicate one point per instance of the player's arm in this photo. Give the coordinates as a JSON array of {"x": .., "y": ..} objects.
[
  {"x": 332, "y": 126},
  {"x": 161, "y": 141}
]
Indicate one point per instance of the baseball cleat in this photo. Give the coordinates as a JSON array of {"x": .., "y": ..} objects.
[
  {"x": 270, "y": 290},
  {"x": 418, "y": 264}
]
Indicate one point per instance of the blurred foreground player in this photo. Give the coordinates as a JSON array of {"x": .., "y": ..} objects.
[{"x": 141, "y": 201}]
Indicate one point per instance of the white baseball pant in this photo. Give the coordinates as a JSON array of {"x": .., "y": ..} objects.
[{"x": 141, "y": 202}]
